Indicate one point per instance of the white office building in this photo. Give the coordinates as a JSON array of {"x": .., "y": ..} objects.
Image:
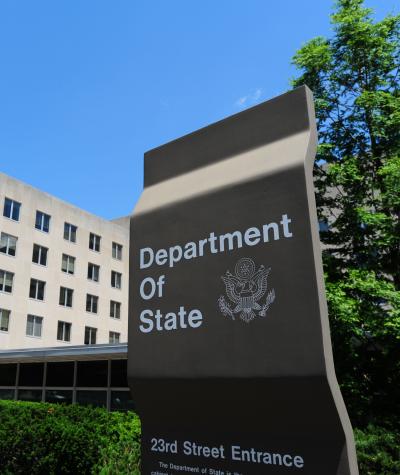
[{"x": 63, "y": 272}]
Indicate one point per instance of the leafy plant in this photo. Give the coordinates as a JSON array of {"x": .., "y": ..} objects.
[
  {"x": 355, "y": 79},
  {"x": 378, "y": 451},
  {"x": 46, "y": 438}
]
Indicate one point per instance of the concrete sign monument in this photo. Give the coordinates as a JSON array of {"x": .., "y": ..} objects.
[{"x": 229, "y": 357}]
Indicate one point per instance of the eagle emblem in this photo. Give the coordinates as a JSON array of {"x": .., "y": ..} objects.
[{"x": 245, "y": 289}]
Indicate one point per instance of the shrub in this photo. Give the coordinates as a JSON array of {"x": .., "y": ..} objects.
[
  {"x": 40, "y": 438},
  {"x": 378, "y": 451},
  {"x": 121, "y": 454}
]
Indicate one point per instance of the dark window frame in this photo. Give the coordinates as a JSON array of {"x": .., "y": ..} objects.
[
  {"x": 115, "y": 309},
  {"x": 66, "y": 297},
  {"x": 3, "y": 285},
  {"x": 93, "y": 272},
  {"x": 41, "y": 251},
  {"x": 70, "y": 231},
  {"x": 70, "y": 262},
  {"x": 94, "y": 242},
  {"x": 7, "y": 313},
  {"x": 116, "y": 278},
  {"x": 65, "y": 328},
  {"x": 89, "y": 332},
  {"x": 15, "y": 208},
  {"x": 92, "y": 303},
  {"x": 39, "y": 289},
  {"x": 117, "y": 251},
  {"x": 42, "y": 221},
  {"x": 7, "y": 246}
]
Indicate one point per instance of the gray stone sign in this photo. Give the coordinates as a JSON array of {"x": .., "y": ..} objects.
[{"x": 229, "y": 360}]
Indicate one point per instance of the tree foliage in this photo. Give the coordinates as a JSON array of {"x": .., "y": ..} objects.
[{"x": 355, "y": 79}]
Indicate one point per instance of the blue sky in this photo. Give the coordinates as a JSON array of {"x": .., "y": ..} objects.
[{"x": 87, "y": 86}]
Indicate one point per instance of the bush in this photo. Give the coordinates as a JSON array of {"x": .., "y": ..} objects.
[
  {"x": 121, "y": 454},
  {"x": 41, "y": 438},
  {"x": 378, "y": 451}
]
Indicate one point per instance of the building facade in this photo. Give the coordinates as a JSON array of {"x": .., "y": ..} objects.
[{"x": 63, "y": 272}]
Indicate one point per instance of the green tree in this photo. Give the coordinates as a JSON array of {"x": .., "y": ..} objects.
[{"x": 355, "y": 79}]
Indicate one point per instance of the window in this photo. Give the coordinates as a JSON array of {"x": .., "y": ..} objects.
[
  {"x": 122, "y": 401},
  {"x": 90, "y": 335},
  {"x": 42, "y": 221},
  {"x": 68, "y": 264},
  {"x": 32, "y": 395},
  {"x": 93, "y": 272},
  {"x": 8, "y": 244},
  {"x": 59, "y": 396},
  {"x": 114, "y": 337},
  {"x": 91, "y": 303},
  {"x": 94, "y": 398},
  {"x": 4, "y": 319},
  {"x": 117, "y": 251},
  {"x": 8, "y": 374},
  {"x": 60, "y": 373},
  {"x": 64, "y": 331},
  {"x": 116, "y": 278},
  {"x": 66, "y": 297},
  {"x": 6, "y": 281},
  {"x": 39, "y": 255},
  {"x": 119, "y": 373},
  {"x": 92, "y": 374},
  {"x": 11, "y": 209},
  {"x": 7, "y": 394},
  {"x": 115, "y": 309},
  {"x": 94, "y": 242},
  {"x": 36, "y": 289},
  {"x": 70, "y": 232},
  {"x": 31, "y": 374},
  {"x": 34, "y": 325}
]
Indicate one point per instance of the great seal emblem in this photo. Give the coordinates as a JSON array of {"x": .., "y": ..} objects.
[{"x": 245, "y": 289}]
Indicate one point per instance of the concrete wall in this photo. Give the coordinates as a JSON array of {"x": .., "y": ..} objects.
[{"x": 24, "y": 269}]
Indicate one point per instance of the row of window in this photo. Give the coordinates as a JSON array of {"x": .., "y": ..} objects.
[
  {"x": 37, "y": 291},
  {"x": 11, "y": 210},
  {"x": 34, "y": 327},
  {"x": 7, "y": 279},
  {"x": 99, "y": 383},
  {"x": 39, "y": 256},
  {"x": 69, "y": 374},
  {"x": 36, "y": 288}
]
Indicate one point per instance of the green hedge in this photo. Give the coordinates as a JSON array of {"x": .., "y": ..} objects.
[
  {"x": 41, "y": 438},
  {"x": 378, "y": 451}
]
